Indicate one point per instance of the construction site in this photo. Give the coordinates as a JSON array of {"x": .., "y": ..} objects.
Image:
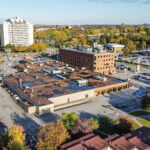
[{"x": 46, "y": 86}]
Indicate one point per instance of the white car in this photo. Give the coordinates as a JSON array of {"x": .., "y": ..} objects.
[{"x": 16, "y": 97}]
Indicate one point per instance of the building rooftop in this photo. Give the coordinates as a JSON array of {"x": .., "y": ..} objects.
[
  {"x": 88, "y": 50},
  {"x": 114, "y": 45},
  {"x": 41, "y": 81},
  {"x": 16, "y": 20},
  {"x": 115, "y": 142},
  {"x": 88, "y": 142}
]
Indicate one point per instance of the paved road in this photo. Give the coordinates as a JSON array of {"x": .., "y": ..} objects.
[{"x": 133, "y": 67}]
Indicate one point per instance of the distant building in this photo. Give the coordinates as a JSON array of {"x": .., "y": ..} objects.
[
  {"x": 92, "y": 59},
  {"x": 136, "y": 140},
  {"x": 38, "y": 29},
  {"x": 16, "y": 31},
  {"x": 114, "y": 47}
]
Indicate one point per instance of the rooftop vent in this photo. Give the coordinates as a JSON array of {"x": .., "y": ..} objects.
[{"x": 101, "y": 78}]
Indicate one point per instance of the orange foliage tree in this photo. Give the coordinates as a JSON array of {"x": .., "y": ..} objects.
[
  {"x": 51, "y": 135},
  {"x": 16, "y": 137}
]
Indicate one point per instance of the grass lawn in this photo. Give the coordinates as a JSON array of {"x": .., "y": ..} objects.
[
  {"x": 140, "y": 113},
  {"x": 144, "y": 122},
  {"x": 134, "y": 126}
]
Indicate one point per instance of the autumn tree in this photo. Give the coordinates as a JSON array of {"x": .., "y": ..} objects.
[
  {"x": 60, "y": 36},
  {"x": 51, "y": 135},
  {"x": 84, "y": 126},
  {"x": 69, "y": 119},
  {"x": 20, "y": 48},
  {"x": 143, "y": 44},
  {"x": 125, "y": 125},
  {"x": 94, "y": 32},
  {"x": 15, "y": 138},
  {"x": 37, "y": 47}
]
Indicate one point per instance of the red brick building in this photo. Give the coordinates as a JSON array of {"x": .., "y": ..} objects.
[{"x": 103, "y": 63}]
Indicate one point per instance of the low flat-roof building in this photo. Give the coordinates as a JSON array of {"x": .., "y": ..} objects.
[
  {"x": 97, "y": 61},
  {"x": 117, "y": 48},
  {"x": 45, "y": 86}
]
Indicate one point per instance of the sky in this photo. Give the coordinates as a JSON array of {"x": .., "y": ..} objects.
[{"x": 77, "y": 12}]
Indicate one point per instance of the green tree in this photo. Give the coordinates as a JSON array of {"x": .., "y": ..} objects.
[
  {"x": 69, "y": 119},
  {"x": 105, "y": 121},
  {"x": 10, "y": 47},
  {"x": 95, "y": 123},
  {"x": 146, "y": 102},
  {"x": 125, "y": 125},
  {"x": 51, "y": 135}
]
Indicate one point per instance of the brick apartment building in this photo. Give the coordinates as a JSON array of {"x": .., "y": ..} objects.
[{"x": 101, "y": 62}]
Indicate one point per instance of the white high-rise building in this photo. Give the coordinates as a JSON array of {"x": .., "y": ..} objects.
[{"x": 16, "y": 31}]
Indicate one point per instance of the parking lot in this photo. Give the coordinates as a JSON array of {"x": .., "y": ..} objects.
[
  {"x": 145, "y": 60},
  {"x": 112, "y": 105}
]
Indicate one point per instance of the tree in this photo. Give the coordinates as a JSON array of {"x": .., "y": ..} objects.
[
  {"x": 105, "y": 121},
  {"x": 60, "y": 36},
  {"x": 125, "y": 125},
  {"x": 143, "y": 44},
  {"x": 75, "y": 41},
  {"x": 51, "y": 135},
  {"x": 146, "y": 102},
  {"x": 1, "y": 142},
  {"x": 9, "y": 47},
  {"x": 84, "y": 126},
  {"x": 20, "y": 48},
  {"x": 126, "y": 50},
  {"x": 37, "y": 47},
  {"x": 95, "y": 123},
  {"x": 94, "y": 32},
  {"x": 69, "y": 120},
  {"x": 15, "y": 138}
]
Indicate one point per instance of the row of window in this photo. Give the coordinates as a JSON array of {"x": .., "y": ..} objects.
[{"x": 102, "y": 68}]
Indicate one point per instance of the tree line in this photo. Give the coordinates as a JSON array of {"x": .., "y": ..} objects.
[
  {"x": 36, "y": 47},
  {"x": 133, "y": 37}
]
